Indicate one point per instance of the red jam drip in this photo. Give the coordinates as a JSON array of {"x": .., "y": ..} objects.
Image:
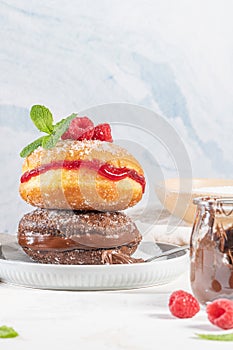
[
  {"x": 106, "y": 170},
  {"x": 117, "y": 174}
]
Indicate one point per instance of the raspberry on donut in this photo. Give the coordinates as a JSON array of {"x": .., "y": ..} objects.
[
  {"x": 102, "y": 132},
  {"x": 80, "y": 128}
]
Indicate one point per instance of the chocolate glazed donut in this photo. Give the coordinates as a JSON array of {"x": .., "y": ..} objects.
[{"x": 77, "y": 237}]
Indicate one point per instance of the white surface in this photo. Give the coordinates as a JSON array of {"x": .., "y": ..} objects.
[
  {"x": 18, "y": 269},
  {"x": 215, "y": 190},
  {"x": 114, "y": 320},
  {"x": 179, "y": 235}
]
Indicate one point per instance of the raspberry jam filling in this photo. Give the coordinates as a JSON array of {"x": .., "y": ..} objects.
[{"x": 106, "y": 170}]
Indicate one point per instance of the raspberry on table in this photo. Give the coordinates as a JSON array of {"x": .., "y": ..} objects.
[
  {"x": 183, "y": 304},
  {"x": 220, "y": 313},
  {"x": 102, "y": 132},
  {"x": 80, "y": 128}
]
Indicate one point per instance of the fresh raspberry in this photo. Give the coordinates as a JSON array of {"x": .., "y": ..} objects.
[
  {"x": 183, "y": 304},
  {"x": 102, "y": 132},
  {"x": 220, "y": 313},
  {"x": 80, "y": 128}
]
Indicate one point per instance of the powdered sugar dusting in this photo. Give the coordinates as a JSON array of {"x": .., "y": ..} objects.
[{"x": 84, "y": 148}]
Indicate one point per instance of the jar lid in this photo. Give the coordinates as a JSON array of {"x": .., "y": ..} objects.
[{"x": 221, "y": 203}]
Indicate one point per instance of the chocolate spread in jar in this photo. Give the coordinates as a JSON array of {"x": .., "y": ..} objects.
[{"x": 212, "y": 266}]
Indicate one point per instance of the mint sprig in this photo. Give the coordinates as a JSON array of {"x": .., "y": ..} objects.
[
  {"x": 219, "y": 337},
  {"x": 58, "y": 131},
  {"x": 31, "y": 147},
  {"x": 7, "y": 332},
  {"x": 43, "y": 120}
]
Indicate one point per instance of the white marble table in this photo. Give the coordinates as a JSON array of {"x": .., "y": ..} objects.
[{"x": 133, "y": 319}]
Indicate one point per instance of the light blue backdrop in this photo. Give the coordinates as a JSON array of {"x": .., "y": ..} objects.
[{"x": 174, "y": 57}]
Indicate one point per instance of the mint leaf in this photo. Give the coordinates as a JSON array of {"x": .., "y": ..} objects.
[
  {"x": 7, "y": 332},
  {"x": 31, "y": 147},
  {"x": 58, "y": 130},
  {"x": 42, "y": 118},
  {"x": 219, "y": 337},
  {"x": 45, "y": 140}
]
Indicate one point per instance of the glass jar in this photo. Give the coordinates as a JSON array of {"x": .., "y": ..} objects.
[{"x": 211, "y": 249}]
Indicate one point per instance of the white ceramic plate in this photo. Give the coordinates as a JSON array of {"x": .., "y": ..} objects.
[{"x": 17, "y": 268}]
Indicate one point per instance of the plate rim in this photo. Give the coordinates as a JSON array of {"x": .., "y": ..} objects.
[{"x": 183, "y": 255}]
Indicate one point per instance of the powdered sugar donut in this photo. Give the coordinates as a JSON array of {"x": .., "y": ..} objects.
[{"x": 82, "y": 175}]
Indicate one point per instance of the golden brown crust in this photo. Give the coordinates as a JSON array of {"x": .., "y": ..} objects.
[{"x": 81, "y": 189}]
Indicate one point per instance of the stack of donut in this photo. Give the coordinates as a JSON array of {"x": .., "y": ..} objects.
[{"x": 80, "y": 187}]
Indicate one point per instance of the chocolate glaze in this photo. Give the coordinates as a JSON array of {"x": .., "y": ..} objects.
[{"x": 212, "y": 265}]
